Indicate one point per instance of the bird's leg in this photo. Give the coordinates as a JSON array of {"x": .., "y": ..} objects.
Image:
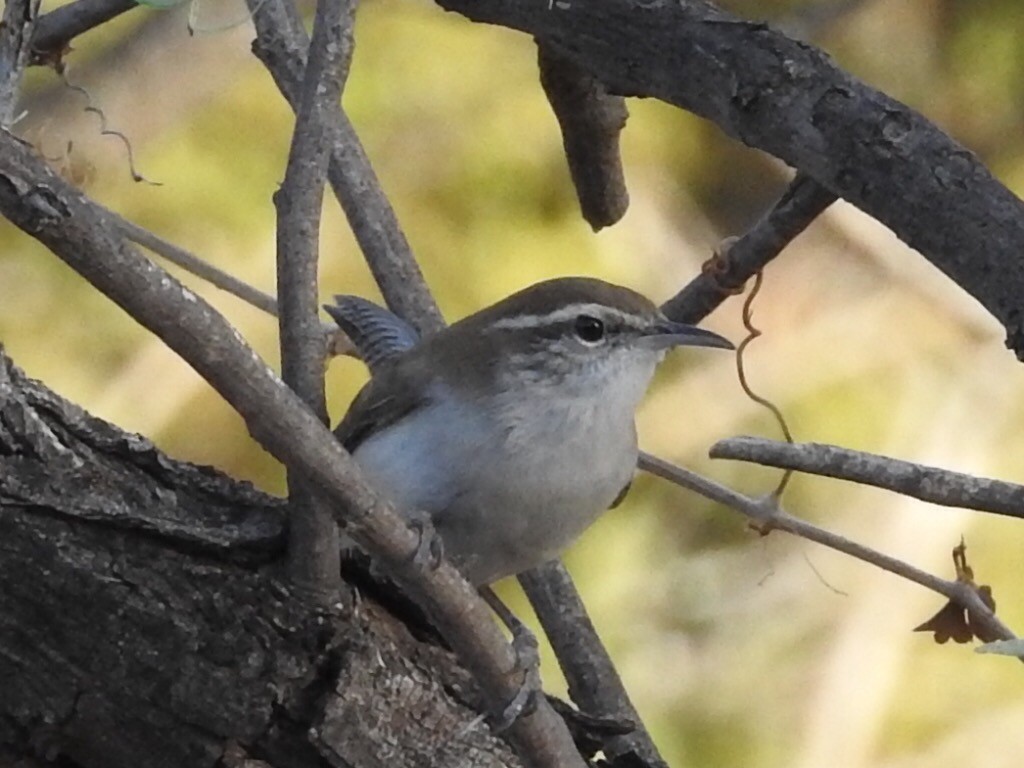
[
  {"x": 429, "y": 548},
  {"x": 524, "y": 643}
]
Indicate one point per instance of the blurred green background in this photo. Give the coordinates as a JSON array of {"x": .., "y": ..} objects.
[{"x": 738, "y": 650}]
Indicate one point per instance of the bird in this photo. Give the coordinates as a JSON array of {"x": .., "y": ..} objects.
[{"x": 512, "y": 430}]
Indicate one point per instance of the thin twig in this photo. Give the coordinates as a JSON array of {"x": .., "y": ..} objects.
[
  {"x": 336, "y": 341},
  {"x": 769, "y": 516},
  {"x": 594, "y": 683},
  {"x": 192, "y": 263},
  {"x": 313, "y": 547},
  {"x": 56, "y": 29},
  {"x": 281, "y": 45},
  {"x": 802, "y": 202},
  {"x": 939, "y": 486},
  {"x": 42, "y": 204}
]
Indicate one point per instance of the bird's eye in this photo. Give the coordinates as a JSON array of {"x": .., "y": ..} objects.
[{"x": 589, "y": 329}]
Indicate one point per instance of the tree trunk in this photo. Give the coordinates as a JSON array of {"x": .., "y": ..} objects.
[{"x": 142, "y": 622}]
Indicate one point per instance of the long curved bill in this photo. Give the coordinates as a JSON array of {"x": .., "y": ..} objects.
[{"x": 668, "y": 334}]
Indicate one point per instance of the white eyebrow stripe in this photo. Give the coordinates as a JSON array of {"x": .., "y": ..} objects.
[{"x": 563, "y": 314}]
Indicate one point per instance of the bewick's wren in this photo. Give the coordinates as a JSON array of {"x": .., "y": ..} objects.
[{"x": 513, "y": 429}]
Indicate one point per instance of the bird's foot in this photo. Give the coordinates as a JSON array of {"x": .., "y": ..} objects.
[
  {"x": 524, "y": 702},
  {"x": 429, "y": 548}
]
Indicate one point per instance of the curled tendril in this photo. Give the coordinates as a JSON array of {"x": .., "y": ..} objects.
[
  {"x": 105, "y": 130},
  {"x": 752, "y": 333}
]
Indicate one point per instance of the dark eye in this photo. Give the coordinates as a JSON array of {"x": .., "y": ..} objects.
[{"x": 589, "y": 329}]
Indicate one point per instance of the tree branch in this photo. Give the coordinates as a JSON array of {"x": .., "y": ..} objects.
[
  {"x": 336, "y": 341},
  {"x": 938, "y": 486},
  {"x": 192, "y": 263},
  {"x": 281, "y": 45},
  {"x": 138, "y": 598},
  {"x": 56, "y": 29},
  {"x": 768, "y": 516},
  {"x": 591, "y": 120},
  {"x": 726, "y": 274},
  {"x": 19, "y": 20},
  {"x": 313, "y": 545},
  {"x": 594, "y": 683},
  {"x": 551, "y": 591},
  {"x": 42, "y": 204},
  {"x": 789, "y": 99}
]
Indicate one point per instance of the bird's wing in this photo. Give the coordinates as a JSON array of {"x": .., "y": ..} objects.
[
  {"x": 622, "y": 495},
  {"x": 387, "y": 398}
]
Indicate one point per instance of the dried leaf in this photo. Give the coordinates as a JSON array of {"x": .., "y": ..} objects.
[
  {"x": 953, "y": 621},
  {"x": 948, "y": 623}
]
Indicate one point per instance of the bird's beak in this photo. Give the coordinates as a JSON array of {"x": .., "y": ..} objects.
[{"x": 667, "y": 334}]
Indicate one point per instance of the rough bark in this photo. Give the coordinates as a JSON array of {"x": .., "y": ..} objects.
[{"x": 142, "y": 622}]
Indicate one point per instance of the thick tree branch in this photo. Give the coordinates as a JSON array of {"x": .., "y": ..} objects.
[
  {"x": 591, "y": 120},
  {"x": 281, "y": 45},
  {"x": 789, "y": 99},
  {"x": 939, "y": 486},
  {"x": 45, "y": 206},
  {"x": 313, "y": 546},
  {"x": 142, "y": 623}
]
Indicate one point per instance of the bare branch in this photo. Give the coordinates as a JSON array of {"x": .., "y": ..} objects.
[
  {"x": 42, "y": 204},
  {"x": 193, "y": 264},
  {"x": 56, "y": 29},
  {"x": 939, "y": 486},
  {"x": 591, "y": 120},
  {"x": 281, "y": 45},
  {"x": 768, "y": 516},
  {"x": 803, "y": 201},
  {"x": 336, "y": 340},
  {"x": 594, "y": 683},
  {"x": 790, "y": 99},
  {"x": 597, "y": 688},
  {"x": 313, "y": 545},
  {"x": 19, "y": 20}
]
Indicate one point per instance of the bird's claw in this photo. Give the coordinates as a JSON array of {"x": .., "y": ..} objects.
[
  {"x": 524, "y": 643},
  {"x": 429, "y": 547}
]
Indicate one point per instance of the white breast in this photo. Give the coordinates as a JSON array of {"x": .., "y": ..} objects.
[{"x": 510, "y": 485}]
